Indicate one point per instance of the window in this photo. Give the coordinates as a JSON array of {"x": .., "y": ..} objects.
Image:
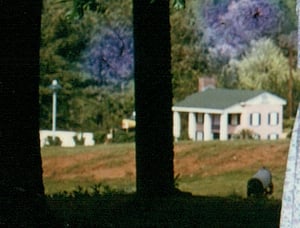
[
  {"x": 200, "y": 118},
  {"x": 273, "y": 118},
  {"x": 234, "y": 119},
  {"x": 255, "y": 119},
  {"x": 273, "y": 136},
  {"x": 215, "y": 121}
]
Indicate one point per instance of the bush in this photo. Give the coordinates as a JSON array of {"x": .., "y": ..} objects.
[
  {"x": 245, "y": 134},
  {"x": 53, "y": 142},
  {"x": 94, "y": 190},
  {"x": 120, "y": 136},
  {"x": 79, "y": 140},
  {"x": 100, "y": 136},
  {"x": 288, "y": 123}
]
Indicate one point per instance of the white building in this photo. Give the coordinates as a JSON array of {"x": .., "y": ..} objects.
[
  {"x": 67, "y": 138},
  {"x": 222, "y": 113}
]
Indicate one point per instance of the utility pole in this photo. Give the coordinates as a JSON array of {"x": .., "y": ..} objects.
[{"x": 54, "y": 87}]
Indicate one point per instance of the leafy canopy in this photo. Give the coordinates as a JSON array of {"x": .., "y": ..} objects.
[
  {"x": 230, "y": 26},
  {"x": 263, "y": 67}
]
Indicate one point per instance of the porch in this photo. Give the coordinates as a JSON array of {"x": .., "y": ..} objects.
[{"x": 208, "y": 126}]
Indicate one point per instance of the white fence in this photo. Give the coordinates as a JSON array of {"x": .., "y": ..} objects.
[
  {"x": 67, "y": 137},
  {"x": 290, "y": 210}
]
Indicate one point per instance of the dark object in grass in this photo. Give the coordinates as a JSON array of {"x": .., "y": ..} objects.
[{"x": 260, "y": 184}]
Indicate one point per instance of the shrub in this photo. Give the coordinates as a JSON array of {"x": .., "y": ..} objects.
[
  {"x": 245, "y": 134},
  {"x": 79, "y": 140},
  {"x": 94, "y": 190},
  {"x": 288, "y": 125},
  {"x": 120, "y": 136},
  {"x": 53, "y": 142},
  {"x": 99, "y": 137}
]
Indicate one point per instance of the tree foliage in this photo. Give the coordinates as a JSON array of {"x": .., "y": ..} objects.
[
  {"x": 230, "y": 26},
  {"x": 263, "y": 67},
  {"x": 109, "y": 55},
  {"x": 188, "y": 62},
  {"x": 67, "y": 43},
  {"x": 90, "y": 52}
]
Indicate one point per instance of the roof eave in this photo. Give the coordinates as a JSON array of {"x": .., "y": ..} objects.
[{"x": 196, "y": 110}]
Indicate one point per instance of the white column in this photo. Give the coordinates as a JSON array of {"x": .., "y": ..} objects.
[
  {"x": 54, "y": 98},
  {"x": 192, "y": 126},
  {"x": 224, "y": 126},
  {"x": 176, "y": 125},
  {"x": 207, "y": 127}
]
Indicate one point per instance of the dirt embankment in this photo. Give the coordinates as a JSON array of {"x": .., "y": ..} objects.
[
  {"x": 106, "y": 165},
  {"x": 234, "y": 159}
]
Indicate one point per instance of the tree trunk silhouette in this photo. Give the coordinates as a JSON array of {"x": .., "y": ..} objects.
[
  {"x": 153, "y": 98},
  {"x": 21, "y": 188}
]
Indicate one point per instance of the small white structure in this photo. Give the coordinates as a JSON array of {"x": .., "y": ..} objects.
[
  {"x": 88, "y": 138},
  {"x": 67, "y": 137},
  {"x": 223, "y": 113}
]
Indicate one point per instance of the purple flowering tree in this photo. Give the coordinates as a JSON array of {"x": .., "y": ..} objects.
[
  {"x": 109, "y": 56},
  {"x": 229, "y": 26}
]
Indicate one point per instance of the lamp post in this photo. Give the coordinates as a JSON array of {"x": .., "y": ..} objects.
[{"x": 54, "y": 87}]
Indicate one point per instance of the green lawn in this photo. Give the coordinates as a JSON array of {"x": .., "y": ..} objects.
[
  {"x": 208, "y": 154},
  {"x": 218, "y": 196}
]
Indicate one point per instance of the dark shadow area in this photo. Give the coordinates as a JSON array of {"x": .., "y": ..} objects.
[{"x": 82, "y": 209}]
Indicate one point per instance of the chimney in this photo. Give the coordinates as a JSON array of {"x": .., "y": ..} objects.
[{"x": 206, "y": 83}]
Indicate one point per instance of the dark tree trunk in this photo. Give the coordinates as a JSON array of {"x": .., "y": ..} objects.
[
  {"x": 153, "y": 98},
  {"x": 21, "y": 185}
]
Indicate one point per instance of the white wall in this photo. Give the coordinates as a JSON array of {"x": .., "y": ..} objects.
[
  {"x": 264, "y": 129},
  {"x": 67, "y": 137}
]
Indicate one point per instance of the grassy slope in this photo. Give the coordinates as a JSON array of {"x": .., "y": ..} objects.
[
  {"x": 206, "y": 168},
  {"x": 215, "y": 172}
]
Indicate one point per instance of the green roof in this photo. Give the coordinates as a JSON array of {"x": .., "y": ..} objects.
[{"x": 218, "y": 98}]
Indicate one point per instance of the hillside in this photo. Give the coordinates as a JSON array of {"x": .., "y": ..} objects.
[{"x": 210, "y": 168}]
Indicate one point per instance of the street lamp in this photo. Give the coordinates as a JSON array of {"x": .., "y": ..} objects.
[{"x": 54, "y": 87}]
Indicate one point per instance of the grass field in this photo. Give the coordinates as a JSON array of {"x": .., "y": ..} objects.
[
  {"x": 203, "y": 168},
  {"x": 94, "y": 186}
]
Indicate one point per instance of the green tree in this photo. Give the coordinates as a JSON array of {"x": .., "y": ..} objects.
[
  {"x": 188, "y": 62},
  {"x": 263, "y": 67},
  {"x": 289, "y": 45},
  {"x": 289, "y": 6},
  {"x": 64, "y": 39}
]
